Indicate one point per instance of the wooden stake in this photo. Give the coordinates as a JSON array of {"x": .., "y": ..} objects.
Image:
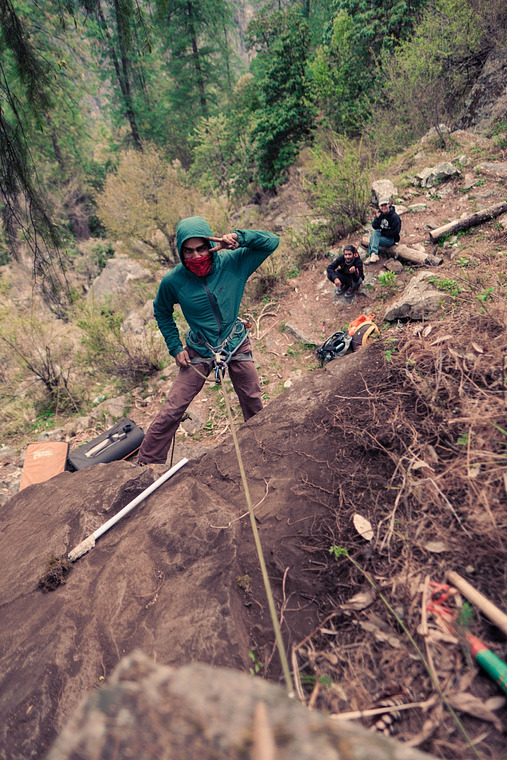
[{"x": 491, "y": 611}]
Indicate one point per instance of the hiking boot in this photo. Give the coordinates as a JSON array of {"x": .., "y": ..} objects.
[{"x": 372, "y": 259}]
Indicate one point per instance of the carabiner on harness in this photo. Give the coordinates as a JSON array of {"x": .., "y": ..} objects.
[{"x": 220, "y": 362}]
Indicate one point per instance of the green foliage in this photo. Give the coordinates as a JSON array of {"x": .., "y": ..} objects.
[
  {"x": 427, "y": 77},
  {"x": 195, "y": 63},
  {"x": 388, "y": 283},
  {"x": 347, "y": 81},
  {"x": 486, "y": 296},
  {"x": 310, "y": 242},
  {"x": 114, "y": 352},
  {"x": 447, "y": 285},
  {"x": 285, "y": 117},
  {"x": 144, "y": 200},
  {"x": 223, "y": 153},
  {"x": 341, "y": 79},
  {"x": 338, "y": 183},
  {"x": 256, "y": 666}
]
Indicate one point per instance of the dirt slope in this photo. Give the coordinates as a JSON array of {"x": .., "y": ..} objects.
[
  {"x": 415, "y": 445},
  {"x": 178, "y": 578}
]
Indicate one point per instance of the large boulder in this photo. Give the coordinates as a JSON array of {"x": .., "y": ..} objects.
[
  {"x": 433, "y": 175},
  {"x": 420, "y": 299},
  {"x": 383, "y": 187},
  {"x": 118, "y": 279},
  {"x": 197, "y": 712}
]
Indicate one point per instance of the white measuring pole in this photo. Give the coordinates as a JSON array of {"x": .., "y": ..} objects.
[{"x": 89, "y": 542}]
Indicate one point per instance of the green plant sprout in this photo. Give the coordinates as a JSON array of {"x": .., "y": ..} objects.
[
  {"x": 449, "y": 286},
  {"x": 256, "y": 666},
  {"x": 486, "y": 296}
]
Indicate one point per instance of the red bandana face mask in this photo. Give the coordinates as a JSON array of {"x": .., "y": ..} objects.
[{"x": 201, "y": 265}]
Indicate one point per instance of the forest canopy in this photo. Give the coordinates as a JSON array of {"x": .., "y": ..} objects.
[{"x": 225, "y": 107}]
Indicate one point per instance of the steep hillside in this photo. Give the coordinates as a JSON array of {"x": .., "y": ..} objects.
[{"x": 408, "y": 434}]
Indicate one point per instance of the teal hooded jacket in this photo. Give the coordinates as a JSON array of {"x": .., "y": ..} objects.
[{"x": 210, "y": 304}]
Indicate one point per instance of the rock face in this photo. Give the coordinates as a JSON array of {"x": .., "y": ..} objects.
[
  {"x": 431, "y": 176},
  {"x": 420, "y": 299},
  {"x": 487, "y": 102},
  {"x": 117, "y": 278},
  {"x": 198, "y": 712},
  {"x": 165, "y": 578}
]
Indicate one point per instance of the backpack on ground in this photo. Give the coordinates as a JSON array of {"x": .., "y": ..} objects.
[
  {"x": 116, "y": 443},
  {"x": 336, "y": 345},
  {"x": 362, "y": 330}
]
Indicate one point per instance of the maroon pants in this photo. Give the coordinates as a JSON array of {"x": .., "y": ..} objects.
[{"x": 186, "y": 386}]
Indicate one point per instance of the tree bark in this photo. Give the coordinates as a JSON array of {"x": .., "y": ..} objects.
[
  {"x": 468, "y": 221},
  {"x": 410, "y": 255},
  {"x": 197, "y": 60}
]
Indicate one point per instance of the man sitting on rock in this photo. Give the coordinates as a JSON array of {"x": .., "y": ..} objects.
[
  {"x": 386, "y": 229},
  {"x": 346, "y": 272}
]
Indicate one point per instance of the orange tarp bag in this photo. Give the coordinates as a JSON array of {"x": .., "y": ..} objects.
[
  {"x": 363, "y": 329},
  {"x": 43, "y": 461}
]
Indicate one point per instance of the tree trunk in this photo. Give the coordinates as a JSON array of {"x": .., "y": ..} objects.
[
  {"x": 197, "y": 60},
  {"x": 122, "y": 74},
  {"x": 411, "y": 255},
  {"x": 469, "y": 221}
]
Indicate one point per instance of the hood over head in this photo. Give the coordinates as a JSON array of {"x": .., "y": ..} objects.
[{"x": 192, "y": 226}]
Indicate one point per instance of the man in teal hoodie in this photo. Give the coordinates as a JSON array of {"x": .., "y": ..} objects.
[{"x": 208, "y": 284}]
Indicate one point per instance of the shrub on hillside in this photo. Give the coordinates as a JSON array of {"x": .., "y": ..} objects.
[
  {"x": 338, "y": 183},
  {"x": 143, "y": 202},
  {"x": 114, "y": 352},
  {"x": 36, "y": 347},
  {"x": 427, "y": 77}
]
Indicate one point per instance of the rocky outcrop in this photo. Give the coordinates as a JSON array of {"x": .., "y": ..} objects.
[
  {"x": 198, "y": 712},
  {"x": 433, "y": 175},
  {"x": 419, "y": 300},
  {"x": 118, "y": 279}
]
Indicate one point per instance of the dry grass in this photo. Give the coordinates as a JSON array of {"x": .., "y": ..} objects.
[{"x": 426, "y": 464}]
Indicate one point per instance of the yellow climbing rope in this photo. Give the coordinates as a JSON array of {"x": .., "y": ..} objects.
[{"x": 258, "y": 546}]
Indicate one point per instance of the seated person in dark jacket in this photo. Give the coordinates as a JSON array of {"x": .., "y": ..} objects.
[
  {"x": 386, "y": 229},
  {"x": 346, "y": 271}
]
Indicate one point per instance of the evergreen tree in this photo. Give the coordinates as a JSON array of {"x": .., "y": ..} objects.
[
  {"x": 115, "y": 21},
  {"x": 24, "y": 84},
  {"x": 348, "y": 81},
  {"x": 196, "y": 53},
  {"x": 286, "y": 114}
]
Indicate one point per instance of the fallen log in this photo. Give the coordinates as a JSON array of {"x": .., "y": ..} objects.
[
  {"x": 471, "y": 220},
  {"x": 410, "y": 255},
  {"x": 414, "y": 256}
]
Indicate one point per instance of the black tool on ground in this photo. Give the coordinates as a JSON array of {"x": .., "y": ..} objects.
[
  {"x": 336, "y": 345},
  {"x": 116, "y": 443}
]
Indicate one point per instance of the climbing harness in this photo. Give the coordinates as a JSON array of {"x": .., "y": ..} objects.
[
  {"x": 221, "y": 359},
  {"x": 221, "y": 355}
]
